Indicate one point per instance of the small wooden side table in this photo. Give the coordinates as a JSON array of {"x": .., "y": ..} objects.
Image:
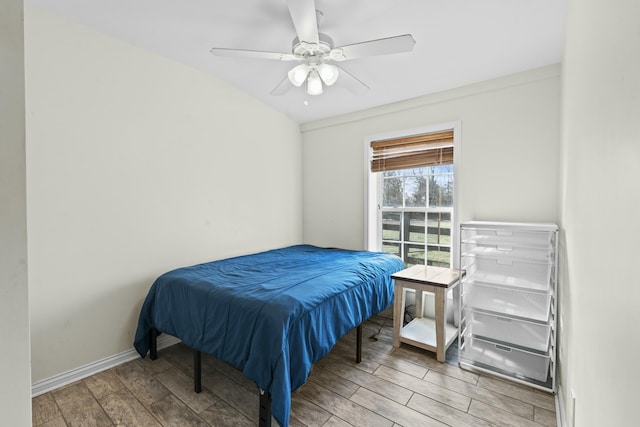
[{"x": 430, "y": 334}]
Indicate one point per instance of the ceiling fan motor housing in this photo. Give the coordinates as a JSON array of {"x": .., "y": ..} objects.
[{"x": 308, "y": 50}]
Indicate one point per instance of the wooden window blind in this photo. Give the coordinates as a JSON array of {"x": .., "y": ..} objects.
[{"x": 430, "y": 149}]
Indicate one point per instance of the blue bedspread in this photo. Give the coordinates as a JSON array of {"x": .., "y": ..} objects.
[{"x": 271, "y": 314}]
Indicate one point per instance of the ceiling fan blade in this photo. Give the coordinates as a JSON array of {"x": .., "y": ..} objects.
[
  {"x": 386, "y": 46},
  {"x": 303, "y": 15},
  {"x": 282, "y": 88},
  {"x": 351, "y": 83},
  {"x": 254, "y": 54}
]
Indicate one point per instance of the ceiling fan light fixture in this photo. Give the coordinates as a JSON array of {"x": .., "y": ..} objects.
[
  {"x": 328, "y": 73},
  {"x": 298, "y": 74},
  {"x": 314, "y": 83}
]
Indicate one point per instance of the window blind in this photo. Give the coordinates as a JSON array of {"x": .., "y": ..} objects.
[{"x": 416, "y": 151}]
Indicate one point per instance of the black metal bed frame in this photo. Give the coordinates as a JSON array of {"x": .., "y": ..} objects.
[{"x": 264, "y": 419}]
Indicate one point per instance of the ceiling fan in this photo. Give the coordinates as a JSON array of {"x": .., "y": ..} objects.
[{"x": 315, "y": 53}]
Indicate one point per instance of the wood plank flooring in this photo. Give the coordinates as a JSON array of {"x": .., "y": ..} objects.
[{"x": 391, "y": 387}]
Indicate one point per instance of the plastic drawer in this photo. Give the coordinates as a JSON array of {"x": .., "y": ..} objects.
[
  {"x": 508, "y": 359},
  {"x": 508, "y": 251},
  {"x": 507, "y": 329},
  {"x": 508, "y": 272},
  {"x": 514, "y": 302},
  {"x": 524, "y": 238}
]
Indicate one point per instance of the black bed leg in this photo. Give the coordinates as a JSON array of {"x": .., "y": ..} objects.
[
  {"x": 153, "y": 344},
  {"x": 359, "y": 344},
  {"x": 265, "y": 409},
  {"x": 197, "y": 371}
]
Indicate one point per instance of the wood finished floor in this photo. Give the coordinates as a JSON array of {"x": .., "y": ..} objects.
[{"x": 391, "y": 387}]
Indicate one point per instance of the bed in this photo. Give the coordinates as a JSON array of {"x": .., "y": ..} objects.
[{"x": 271, "y": 314}]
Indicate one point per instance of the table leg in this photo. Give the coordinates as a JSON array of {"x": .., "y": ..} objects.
[
  {"x": 398, "y": 313},
  {"x": 440, "y": 321},
  {"x": 456, "y": 305},
  {"x": 419, "y": 303}
]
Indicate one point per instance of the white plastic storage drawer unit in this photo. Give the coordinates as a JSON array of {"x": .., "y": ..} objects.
[{"x": 508, "y": 300}]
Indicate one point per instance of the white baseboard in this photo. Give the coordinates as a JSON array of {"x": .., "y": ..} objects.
[{"x": 52, "y": 383}]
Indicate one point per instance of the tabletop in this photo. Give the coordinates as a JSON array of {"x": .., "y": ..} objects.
[{"x": 428, "y": 275}]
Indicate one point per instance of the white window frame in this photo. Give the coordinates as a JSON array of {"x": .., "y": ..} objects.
[{"x": 373, "y": 190}]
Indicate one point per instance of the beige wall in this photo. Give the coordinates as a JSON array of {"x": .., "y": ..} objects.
[
  {"x": 600, "y": 298},
  {"x": 130, "y": 170},
  {"x": 509, "y": 152},
  {"x": 15, "y": 384}
]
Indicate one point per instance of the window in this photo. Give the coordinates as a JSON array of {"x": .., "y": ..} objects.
[
  {"x": 416, "y": 214},
  {"x": 411, "y": 180}
]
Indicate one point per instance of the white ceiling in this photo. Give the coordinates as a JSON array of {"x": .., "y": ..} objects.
[{"x": 457, "y": 42}]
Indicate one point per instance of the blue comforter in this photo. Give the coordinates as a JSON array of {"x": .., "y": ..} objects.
[{"x": 271, "y": 314}]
